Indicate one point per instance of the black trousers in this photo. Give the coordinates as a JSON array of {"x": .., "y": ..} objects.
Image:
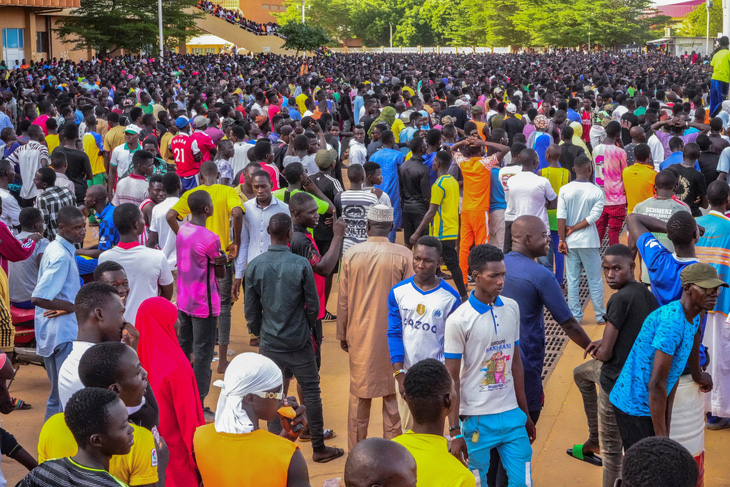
[
  {"x": 451, "y": 259},
  {"x": 507, "y": 237},
  {"x": 411, "y": 220},
  {"x": 633, "y": 428}
]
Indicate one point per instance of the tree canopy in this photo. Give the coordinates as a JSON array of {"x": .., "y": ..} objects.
[
  {"x": 694, "y": 24},
  {"x": 108, "y": 25},
  {"x": 303, "y": 37},
  {"x": 559, "y": 23}
]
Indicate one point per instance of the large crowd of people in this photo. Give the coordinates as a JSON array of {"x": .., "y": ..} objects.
[
  {"x": 451, "y": 198},
  {"x": 236, "y": 17}
]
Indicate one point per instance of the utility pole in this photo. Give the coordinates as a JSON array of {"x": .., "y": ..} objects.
[
  {"x": 725, "y": 17},
  {"x": 304, "y": 3},
  {"x": 159, "y": 25},
  {"x": 391, "y": 36},
  {"x": 708, "y": 6},
  {"x": 589, "y": 37}
]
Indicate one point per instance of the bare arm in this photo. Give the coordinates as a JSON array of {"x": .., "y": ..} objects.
[
  {"x": 518, "y": 375},
  {"x": 166, "y": 291},
  {"x": 171, "y": 218},
  {"x": 658, "y": 394},
  {"x": 427, "y": 219},
  {"x": 576, "y": 332},
  {"x": 458, "y": 445}
]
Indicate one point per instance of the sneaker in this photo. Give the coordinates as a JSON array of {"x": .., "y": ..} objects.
[
  {"x": 208, "y": 415},
  {"x": 329, "y": 317},
  {"x": 718, "y": 424}
]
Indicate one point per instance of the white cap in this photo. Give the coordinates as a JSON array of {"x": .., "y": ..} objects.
[
  {"x": 380, "y": 213},
  {"x": 133, "y": 129},
  {"x": 511, "y": 108}
]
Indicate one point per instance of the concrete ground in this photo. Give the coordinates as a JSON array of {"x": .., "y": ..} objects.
[{"x": 562, "y": 423}]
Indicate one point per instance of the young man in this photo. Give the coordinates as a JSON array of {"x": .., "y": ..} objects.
[
  {"x": 54, "y": 296},
  {"x": 200, "y": 261},
  {"x": 155, "y": 195},
  {"x": 11, "y": 209},
  {"x": 659, "y": 461},
  {"x": 390, "y": 160},
  {"x": 29, "y": 158},
  {"x": 97, "y": 419},
  {"x": 147, "y": 269},
  {"x": 429, "y": 394},
  {"x": 97, "y": 199},
  {"x": 373, "y": 177},
  {"x": 298, "y": 180},
  {"x": 417, "y": 312},
  {"x": 376, "y": 461},
  {"x": 59, "y": 163},
  {"x": 580, "y": 204},
  {"x": 610, "y": 160},
  {"x": 23, "y": 274},
  {"x": 489, "y": 385},
  {"x": 639, "y": 178},
  {"x": 93, "y": 144},
  {"x": 51, "y": 199},
  {"x": 113, "y": 366},
  {"x": 668, "y": 342},
  {"x": 691, "y": 185},
  {"x": 113, "y": 274},
  {"x": 161, "y": 235},
  {"x": 443, "y": 211},
  {"x": 415, "y": 189},
  {"x": 353, "y": 204},
  {"x": 134, "y": 188},
  {"x": 187, "y": 155},
  {"x": 625, "y": 314},
  {"x": 358, "y": 153},
  {"x": 120, "y": 162}
]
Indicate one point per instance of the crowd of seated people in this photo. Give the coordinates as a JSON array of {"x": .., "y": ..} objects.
[{"x": 236, "y": 17}]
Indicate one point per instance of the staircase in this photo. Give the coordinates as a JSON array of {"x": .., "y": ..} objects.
[{"x": 239, "y": 36}]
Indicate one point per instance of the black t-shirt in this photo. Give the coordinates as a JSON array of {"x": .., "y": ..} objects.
[
  {"x": 458, "y": 113},
  {"x": 708, "y": 166},
  {"x": 330, "y": 187},
  {"x": 634, "y": 120},
  {"x": 568, "y": 154},
  {"x": 415, "y": 186},
  {"x": 78, "y": 165},
  {"x": 626, "y": 310},
  {"x": 690, "y": 186},
  {"x": 512, "y": 126}
]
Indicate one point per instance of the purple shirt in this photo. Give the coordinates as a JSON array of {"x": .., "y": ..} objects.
[
  {"x": 197, "y": 286},
  {"x": 664, "y": 139}
]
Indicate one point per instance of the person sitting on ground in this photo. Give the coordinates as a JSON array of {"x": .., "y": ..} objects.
[
  {"x": 428, "y": 393},
  {"x": 375, "y": 462},
  {"x": 97, "y": 419},
  {"x": 113, "y": 366},
  {"x": 251, "y": 391}
]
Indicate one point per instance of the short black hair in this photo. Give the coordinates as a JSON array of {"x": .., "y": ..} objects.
[
  {"x": 676, "y": 144},
  {"x": 155, "y": 178},
  {"x": 69, "y": 213},
  {"x": 481, "y": 255},
  {"x": 29, "y": 216},
  {"x": 140, "y": 157},
  {"x": 370, "y": 167},
  {"x": 299, "y": 199},
  {"x": 691, "y": 152},
  {"x": 171, "y": 182},
  {"x": 642, "y": 152},
  {"x": 92, "y": 296},
  {"x": 387, "y": 137},
  {"x": 293, "y": 172},
  {"x": 665, "y": 179},
  {"x": 107, "y": 266},
  {"x": 619, "y": 250},
  {"x": 581, "y": 161},
  {"x": 87, "y": 413},
  {"x": 198, "y": 200},
  {"x": 444, "y": 158},
  {"x": 58, "y": 159},
  {"x": 425, "y": 385},
  {"x": 658, "y": 460},
  {"x": 280, "y": 224},
  {"x": 262, "y": 149},
  {"x": 262, "y": 174},
  {"x": 681, "y": 228},
  {"x": 48, "y": 176},
  {"x": 429, "y": 241},
  {"x": 717, "y": 192},
  {"x": 613, "y": 129},
  {"x": 99, "y": 365},
  {"x": 126, "y": 216}
]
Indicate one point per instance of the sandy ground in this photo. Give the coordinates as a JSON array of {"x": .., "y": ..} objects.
[{"x": 561, "y": 424}]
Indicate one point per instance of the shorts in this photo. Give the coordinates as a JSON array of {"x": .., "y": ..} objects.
[{"x": 189, "y": 182}]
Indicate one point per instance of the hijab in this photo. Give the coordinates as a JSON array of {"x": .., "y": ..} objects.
[
  {"x": 387, "y": 116},
  {"x": 247, "y": 373},
  {"x": 578, "y": 138}
]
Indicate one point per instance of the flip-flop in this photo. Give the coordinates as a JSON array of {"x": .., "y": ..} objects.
[
  {"x": 328, "y": 435},
  {"x": 588, "y": 457},
  {"x": 19, "y": 404},
  {"x": 337, "y": 454}
]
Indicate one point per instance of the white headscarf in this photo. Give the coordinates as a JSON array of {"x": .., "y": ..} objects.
[{"x": 247, "y": 373}]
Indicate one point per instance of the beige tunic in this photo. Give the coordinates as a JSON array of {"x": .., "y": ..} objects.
[{"x": 369, "y": 270}]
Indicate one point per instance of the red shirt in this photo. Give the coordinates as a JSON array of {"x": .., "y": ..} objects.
[
  {"x": 205, "y": 144},
  {"x": 184, "y": 148}
]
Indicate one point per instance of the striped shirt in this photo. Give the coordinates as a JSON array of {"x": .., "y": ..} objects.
[
  {"x": 29, "y": 158},
  {"x": 353, "y": 206},
  {"x": 65, "y": 472}
]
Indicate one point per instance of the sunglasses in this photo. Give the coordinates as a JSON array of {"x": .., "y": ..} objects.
[{"x": 271, "y": 395}]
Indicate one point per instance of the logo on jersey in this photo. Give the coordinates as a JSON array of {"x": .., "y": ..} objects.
[
  {"x": 421, "y": 309},
  {"x": 437, "y": 313},
  {"x": 154, "y": 457}
]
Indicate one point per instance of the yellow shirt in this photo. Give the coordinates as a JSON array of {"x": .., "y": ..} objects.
[
  {"x": 445, "y": 194},
  {"x": 239, "y": 191},
  {"x": 165, "y": 151},
  {"x": 94, "y": 154},
  {"x": 225, "y": 199},
  {"x": 638, "y": 183},
  {"x": 721, "y": 66},
  {"x": 52, "y": 142},
  {"x": 436, "y": 466},
  {"x": 114, "y": 138},
  {"x": 138, "y": 467},
  {"x": 300, "y": 102},
  {"x": 398, "y": 125}
]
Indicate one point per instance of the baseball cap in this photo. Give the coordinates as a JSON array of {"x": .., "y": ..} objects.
[
  {"x": 703, "y": 275},
  {"x": 511, "y": 108},
  {"x": 460, "y": 103},
  {"x": 182, "y": 122},
  {"x": 132, "y": 129},
  {"x": 325, "y": 158},
  {"x": 477, "y": 109},
  {"x": 200, "y": 121}
]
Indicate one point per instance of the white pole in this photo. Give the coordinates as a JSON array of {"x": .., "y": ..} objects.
[
  {"x": 589, "y": 37},
  {"x": 303, "y": 4},
  {"x": 159, "y": 24},
  {"x": 391, "y": 36},
  {"x": 707, "y": 32},
  {"x": 725, "y": 17}
]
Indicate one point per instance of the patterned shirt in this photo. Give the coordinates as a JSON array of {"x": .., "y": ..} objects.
[
  {"x": 108, "y": 234},
  {"x": 65, "y": 472},
  {"x": 50, "y": 203}
]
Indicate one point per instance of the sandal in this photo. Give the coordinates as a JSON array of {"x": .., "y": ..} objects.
[
  {"x": 307, "y": 436},
  {"x": 19, "y": 404},
  {"x": 336, "y": 453},
  {"x": 588, "y": 457}
]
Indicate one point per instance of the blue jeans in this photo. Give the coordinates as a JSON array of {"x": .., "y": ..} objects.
[
  {"x": 590, "y": 260},
  {"x": 53, "y": 367},
  {"x": 718, "y": 94},
  {"x": 506, "y": 432}
]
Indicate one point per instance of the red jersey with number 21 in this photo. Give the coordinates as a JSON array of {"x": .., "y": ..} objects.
[{"x": 184, "y": 149}]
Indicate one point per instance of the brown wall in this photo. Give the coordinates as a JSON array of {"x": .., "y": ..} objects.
[
  {"x": 240, "y": 37},
  {"x": 260, "y": 10},
  {"x": 42, "y": 3}
]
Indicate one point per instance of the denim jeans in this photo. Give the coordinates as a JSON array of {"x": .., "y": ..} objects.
[
  {"x": 590, "y": 259},
  {"x": 197, "y": 337},
  {"x": 224, "y": 320},
  {"x": 53, "y": 367},
  {"x": 302, "y": 365}
]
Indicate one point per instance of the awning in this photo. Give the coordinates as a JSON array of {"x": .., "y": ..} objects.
[{"x": 663, "y": 40}]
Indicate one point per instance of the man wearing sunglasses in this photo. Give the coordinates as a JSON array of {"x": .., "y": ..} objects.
[{"x": 668, "y": 342}]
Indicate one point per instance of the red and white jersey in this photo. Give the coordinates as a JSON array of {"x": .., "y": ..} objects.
[{"x": 184, "y": 148}]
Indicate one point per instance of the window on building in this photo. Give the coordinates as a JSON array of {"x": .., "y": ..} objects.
[
  {"x": 13, "y": 38},
  {"x": 210, "y": 50},
  {"x": 41, "y": 42},
  {"x": 265, "y": 6}
]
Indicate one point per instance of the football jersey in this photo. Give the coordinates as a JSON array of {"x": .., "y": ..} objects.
[
  {"x": 664, "y": 268},
  {"x": 417, "y": 320},
  {"x": 184, "y": 149}
]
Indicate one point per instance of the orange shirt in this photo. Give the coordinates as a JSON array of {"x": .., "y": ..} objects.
[
  {"x": 480, "y": 128},
  {"x": 267, "y": 456},
  {"x": 638, "y": 184},
  {"x": 476, "y": 173}
]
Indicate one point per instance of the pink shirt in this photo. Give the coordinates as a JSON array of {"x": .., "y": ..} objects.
[
  {"x": 197, "y": 286},
  {"x": 610, "y": 162}
]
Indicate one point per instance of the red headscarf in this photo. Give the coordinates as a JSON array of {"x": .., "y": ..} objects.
[{"x": 172, "y": 380}]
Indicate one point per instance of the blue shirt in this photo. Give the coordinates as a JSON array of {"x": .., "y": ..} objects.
[
  {"x": 573, "y": 116},
  {"x": 667, "y": 330},
  {"x": 356, "y": 106},
  {"x": 390, "y": 160},
  {"x": 534, "y": 288},
  {"x": 108, "y": 234},
  {"x": 723, "y": 164},
  {"x": 664, "y": 268},
  {"x": 58, "y": 278},
  {"x": 5, "y": 121},
  {"x": 294, "y": 113},
  {"x": 677, "y": 158},
  {"x": 497, "y": 200}
]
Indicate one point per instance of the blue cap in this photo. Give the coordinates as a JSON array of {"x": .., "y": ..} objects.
[{"x": 182, "y": 122}]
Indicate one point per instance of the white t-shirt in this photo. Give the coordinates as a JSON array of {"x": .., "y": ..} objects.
[
  {"x": 528, "y": 194},
  {"x": 578, "y": 201},
  {"x": 11, "y": 209},
  {"x": 166, "y": 237},
  {"x": 485, "y": 339},
  {"x": 146, "y": 269},
  {"x": 68, "y": 376},
  {"x": 504, "y": 174},
  {"x": 239, "y": 161},
  {"x": 419, "y": 318}
]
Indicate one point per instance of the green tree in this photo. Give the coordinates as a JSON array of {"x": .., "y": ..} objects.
[
  {"x": 303, "y": 37},
  {"x": 332, "y": 15},
  {"x": 477, "y": 23},
  {"x": 694, "y": 24},
  {"x": 108, "y": 25}
]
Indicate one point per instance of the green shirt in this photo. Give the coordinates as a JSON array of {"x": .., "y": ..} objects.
[{"x": 721, "y": 66}]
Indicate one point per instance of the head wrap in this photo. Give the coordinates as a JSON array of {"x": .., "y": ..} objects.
[
  {"x": 541, "y": 122},
  {"x": 387, "y": 115},
  {"x": 247, "y": 373}
]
